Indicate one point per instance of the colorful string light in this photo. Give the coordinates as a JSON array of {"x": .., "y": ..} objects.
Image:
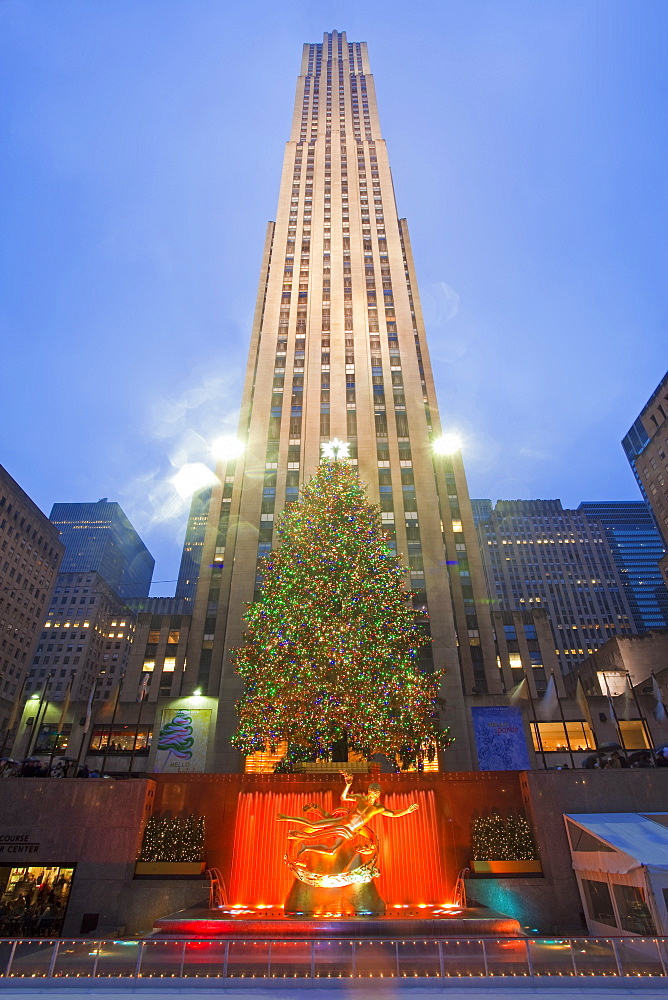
[{"x": 331, "y": 649}]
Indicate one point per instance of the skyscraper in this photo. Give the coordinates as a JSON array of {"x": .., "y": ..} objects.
[
  {"x": 30, "y": 556},
  {"x": 191, "y": 556},
  {"x": 99, "y": 537},
  {"x": 539, "y": 555},
  {"x": 338, "y": 350},
  {"x": 636, "y": 547},
  {"x": 646, "y": 447}
]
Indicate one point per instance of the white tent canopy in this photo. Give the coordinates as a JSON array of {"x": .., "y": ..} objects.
[
  {"x": 627, "y": 841},
  {"x": 621, "y": 864}
]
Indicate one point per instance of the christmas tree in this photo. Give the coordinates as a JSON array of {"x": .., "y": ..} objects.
[{"x": 331, "y": 650}]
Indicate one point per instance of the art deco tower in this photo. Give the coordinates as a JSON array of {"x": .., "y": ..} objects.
[{"x": 338, "y": 349}]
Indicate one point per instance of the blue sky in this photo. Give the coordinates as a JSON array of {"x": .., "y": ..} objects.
[{"x": 142, "y": 145}]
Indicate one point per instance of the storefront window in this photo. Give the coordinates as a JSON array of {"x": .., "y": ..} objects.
[
  {"x": 555, "y": 736},
  {"x": 33, "y": 900},
  {"x": 265, "y": 762},
  {"x": 633, "y": 911},
  {"x": 598, "y": 901},
  {"x": 121, "y": 739},
  {"x": 633, "y": 734},
  {"x": 49, "y": 740}
]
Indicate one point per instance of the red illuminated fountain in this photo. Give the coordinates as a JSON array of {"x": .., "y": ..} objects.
[{"x": 321, "y": 872}]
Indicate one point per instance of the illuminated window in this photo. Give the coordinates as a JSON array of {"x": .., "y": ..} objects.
[
  {"x": 555, "y": 736},
  {"x": 153, "y": 638},
  {"x": 633, "y": 733},
  {"x": 265, "y": 762},
  {"x": 457, "y": 526},
  {"x": 149, "y": 666},
  {"x": 170, "y": 664},
  {"x": 121, "y": 739},
  {"x": 173, "y": 636},
  {"x": 430, "y": 766}
]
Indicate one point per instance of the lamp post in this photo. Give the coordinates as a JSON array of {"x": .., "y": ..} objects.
[{"x": 32, "y": 742}]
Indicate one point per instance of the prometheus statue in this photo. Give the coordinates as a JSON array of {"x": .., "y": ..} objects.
[{"x": 342, "y": 836}]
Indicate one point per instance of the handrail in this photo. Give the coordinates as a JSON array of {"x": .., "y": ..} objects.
[
  {"x": 217, "y": 890},
  {"x": 439, "y": 957},
  {"x": 459, "y": 895}
]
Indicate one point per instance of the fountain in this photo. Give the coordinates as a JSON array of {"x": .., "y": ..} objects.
[{"x": 322, "y": 870}]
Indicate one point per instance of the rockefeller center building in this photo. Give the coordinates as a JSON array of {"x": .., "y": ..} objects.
[{"x": 338, "y": 350}]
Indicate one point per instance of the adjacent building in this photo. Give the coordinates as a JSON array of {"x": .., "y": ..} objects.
[
  {"x": 80, "y": 662},
  {"x": 99, "y": 538},
  {"x": 637, "y": 548},
  {"x": 191, "y": 556},
  {"x": 539, "y": 555},
  {"x": 646, "y": 447},
  {"x": 30, "y": 556},
  {"x": 86, "y": 636}
]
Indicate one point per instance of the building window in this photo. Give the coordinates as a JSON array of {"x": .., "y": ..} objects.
[
  {"x": 633, "y": 734},
  {"x": 634, "y": 914},
  {"x": 599, "y": 902},
  {"x": 50, "y": 740},
  {"x": 120, "y": 739},
  {"x": 36, "y": 894},
  {"x": 265, "y": 762},
  {"x": 556, "y": 736}
]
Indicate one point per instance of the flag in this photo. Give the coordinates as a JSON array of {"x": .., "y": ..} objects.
[
  {"x": 89, "y": 709},
  {"x": 66, "y": 706},
  {"x": 582, "y": 702},
  {"x": 108, "y": 707},
  {"x": 611, "y": 707},
  {"x": 659, "y": 711},
  {"x": 624, "y": 702},
  {"x": 142, "y": 691},
  {"x": 549, "y": 702},
  {"x": 519, "y": 692}
]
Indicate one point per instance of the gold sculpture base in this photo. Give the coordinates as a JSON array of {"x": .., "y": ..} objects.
[{"x": 360, "y": 900}]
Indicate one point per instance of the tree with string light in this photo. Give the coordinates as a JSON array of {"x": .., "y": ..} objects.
[{"x": 332, "y": 647}]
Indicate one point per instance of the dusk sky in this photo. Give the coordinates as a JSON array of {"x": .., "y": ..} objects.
[{"x": 142, "y": 143}]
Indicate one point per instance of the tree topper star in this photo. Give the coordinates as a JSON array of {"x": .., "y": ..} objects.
[{"x": 333, "y": 450}]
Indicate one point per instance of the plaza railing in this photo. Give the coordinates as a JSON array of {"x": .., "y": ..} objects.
[{"x": 333, "y": 958}]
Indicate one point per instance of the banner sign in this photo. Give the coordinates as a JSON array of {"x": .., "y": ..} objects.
[
  {"x": 182, "y": 741},
  {"x": 499, "y": 739}
]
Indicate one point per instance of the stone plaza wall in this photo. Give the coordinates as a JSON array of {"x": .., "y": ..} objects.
[{"x": 97, "y": 826}]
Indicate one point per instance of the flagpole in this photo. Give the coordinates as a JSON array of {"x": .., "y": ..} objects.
[
  {"x": 643, "y": 719},
  {"x": 614, "y": 715},
  {"x": 535, "y": 719},
  {"x": 89, "y": 707},
  {"x": 113, "y": 719},
  {"x": 563, "y": 720},
  {"x": 61, "y": 723},
  {"x": 11, "y": 722},
  {"x": 142, "y": 694}
]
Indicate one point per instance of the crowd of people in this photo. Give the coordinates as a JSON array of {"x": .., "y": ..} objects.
[
  {"x": 34, "y": 767},
  {"x": 33, "y": 908}
]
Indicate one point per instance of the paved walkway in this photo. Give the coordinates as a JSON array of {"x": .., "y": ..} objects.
[{"x": 647, "y": 989}]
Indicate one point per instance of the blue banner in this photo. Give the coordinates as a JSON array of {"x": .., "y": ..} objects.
[{"x": 499, "y": 739}]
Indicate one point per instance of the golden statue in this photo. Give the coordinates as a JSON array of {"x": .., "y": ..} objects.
[{"x": 348, "y": 841}]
